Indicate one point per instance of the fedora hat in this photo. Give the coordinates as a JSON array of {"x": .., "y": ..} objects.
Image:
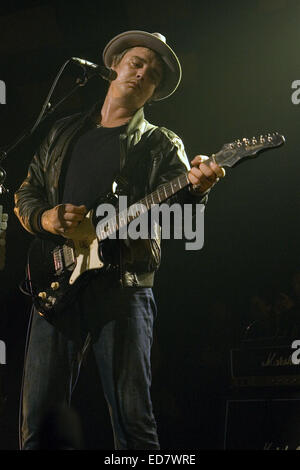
[{"x": 156, "y": 42}]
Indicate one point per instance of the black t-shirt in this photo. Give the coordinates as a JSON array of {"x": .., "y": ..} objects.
[{"x": 94, "y": 163}]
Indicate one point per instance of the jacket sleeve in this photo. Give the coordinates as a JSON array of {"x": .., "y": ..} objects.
[
  {"x": 175, "y": 163},
  {"x": 34, "y": 195},
  {"x": 31, "y": 198}
]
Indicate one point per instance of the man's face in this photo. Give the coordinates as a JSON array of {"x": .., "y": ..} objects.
[{"x": 139, "y": 74}]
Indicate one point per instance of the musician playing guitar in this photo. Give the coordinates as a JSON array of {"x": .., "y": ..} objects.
[{"x": 75, "y": 164}]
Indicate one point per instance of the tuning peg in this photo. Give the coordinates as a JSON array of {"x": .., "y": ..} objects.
[
  {"x": 246, "y": 141},
  {"x": 270, "y": 139},
  {"x": 42, "y": 295},
  {"x": 254, "y": 141},
  {"x": 238, "y": 143}
]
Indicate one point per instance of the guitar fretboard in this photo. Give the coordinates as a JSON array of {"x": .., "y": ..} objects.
[{"x": 124, "y": 217}]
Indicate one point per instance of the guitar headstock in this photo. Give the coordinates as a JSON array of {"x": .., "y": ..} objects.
[{"x": 232, "y": 153}]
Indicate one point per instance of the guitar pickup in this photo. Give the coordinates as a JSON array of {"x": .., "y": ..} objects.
[
  {"x": 69, "y": 258},
  {"x": 58, "y": 260},
  {"x": 63, "y": 258}
]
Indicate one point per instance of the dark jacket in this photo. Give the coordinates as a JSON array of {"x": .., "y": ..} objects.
[{"x": 158, "y": 157}]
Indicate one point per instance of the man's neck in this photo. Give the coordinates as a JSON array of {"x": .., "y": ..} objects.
[{"x": 115, "y": 113}]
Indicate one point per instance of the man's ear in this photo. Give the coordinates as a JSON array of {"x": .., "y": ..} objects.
[
  {"x": 113, "y": 65},
  {"x": 150, "y": 101}
]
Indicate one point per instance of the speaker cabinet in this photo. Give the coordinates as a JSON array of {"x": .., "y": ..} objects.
[{"x": 267, "y": 424}]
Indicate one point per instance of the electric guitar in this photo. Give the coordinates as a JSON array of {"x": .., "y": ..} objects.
[{"x": 57, "y": 267}]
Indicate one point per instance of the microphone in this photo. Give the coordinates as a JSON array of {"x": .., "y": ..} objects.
[{"x": 94, "y": 69}]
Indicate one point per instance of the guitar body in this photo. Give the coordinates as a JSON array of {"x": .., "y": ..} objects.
[{"x": 58, "y": 268}]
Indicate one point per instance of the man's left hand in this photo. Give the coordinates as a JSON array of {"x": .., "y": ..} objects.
[{"x": 204, "y": 176}]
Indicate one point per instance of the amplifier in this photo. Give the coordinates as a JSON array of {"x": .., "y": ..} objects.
[
  {"x": 262, "y": 424},
  {"x": 259, "y": 366}
]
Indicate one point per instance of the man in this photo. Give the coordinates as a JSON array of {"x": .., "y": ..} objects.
[{"x": 78, "y": 161}]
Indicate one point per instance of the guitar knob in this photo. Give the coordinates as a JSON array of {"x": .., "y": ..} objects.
[
  {"x": 42, "y": 295},
  {"x": 55, "y": 285}
]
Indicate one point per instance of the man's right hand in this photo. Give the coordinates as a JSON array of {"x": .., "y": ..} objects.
[{"x": 63, "y": 219}]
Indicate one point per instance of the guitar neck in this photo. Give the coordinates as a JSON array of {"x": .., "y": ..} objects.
[
  {"x": 167, "y": 190},
  {"x": 161, "y": 194},
  {"x": 229, "y": 155}
]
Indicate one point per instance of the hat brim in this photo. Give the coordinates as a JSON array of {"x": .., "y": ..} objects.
[{"x": 144, "y": 39}]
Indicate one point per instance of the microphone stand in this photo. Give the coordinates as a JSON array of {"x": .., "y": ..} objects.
[{"x": 47, "y": 111}]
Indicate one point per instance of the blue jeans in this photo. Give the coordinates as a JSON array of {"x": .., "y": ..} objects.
[{"x": 120, "y": 321}]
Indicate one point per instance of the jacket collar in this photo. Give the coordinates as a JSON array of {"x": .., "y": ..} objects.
[
  {"x": 133, "y": 132},
  {"x": 137, "y": 123}
]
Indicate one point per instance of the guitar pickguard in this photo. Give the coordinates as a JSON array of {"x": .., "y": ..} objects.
[{"x": 87, "y": 257}]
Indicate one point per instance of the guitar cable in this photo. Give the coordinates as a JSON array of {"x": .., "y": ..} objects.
[
  {"x": 81, "y": 356},
  {"x": 27, "y": 291},
  {"x": 23, "y": 374}
]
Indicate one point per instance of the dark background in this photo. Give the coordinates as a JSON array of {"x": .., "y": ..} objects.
[{"x": 239, "y": 60}]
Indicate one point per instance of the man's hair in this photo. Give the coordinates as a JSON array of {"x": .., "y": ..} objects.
[{"x": 116, "y": 59}]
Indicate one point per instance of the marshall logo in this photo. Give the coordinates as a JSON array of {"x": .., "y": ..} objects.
[
  {"x": 271, "y": 446},
  {"x": 265, "y": 366},
  {"x": 2, "y": 92},
  {"x": 275, "y": 360}
]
